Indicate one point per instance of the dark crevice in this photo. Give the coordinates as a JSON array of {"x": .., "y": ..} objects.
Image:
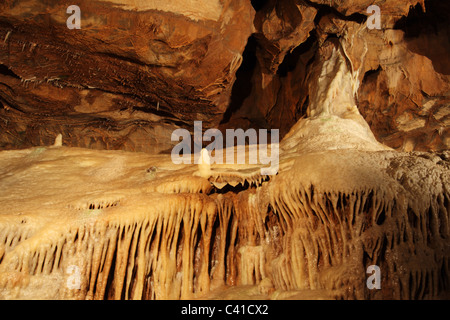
[
  {"x": 238, "y": 188},
  {"x": 4, "y": 70},
  {"x": 198, "y": 249},
  {"x": 301, "y": 112},
  {"x": 258, "y": 5},
  {"x": 245, "y": 75},
  {"x": 242, "y": 86},
  {"x": 444, "y": 283},
  {"x": 230, "y": 245},
  {"x": 109, "y": 287},
  {"x": 432, "y": 19},
  {"x": 332, "y": 37},
  {"x": 228, "y": 188},
  {"x": 381, "y": 217},
  {"x": 371, "y": 73},
  {"x": 291, "y": 59}
]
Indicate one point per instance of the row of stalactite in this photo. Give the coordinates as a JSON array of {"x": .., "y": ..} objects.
[{"x": 299, "y": 238}]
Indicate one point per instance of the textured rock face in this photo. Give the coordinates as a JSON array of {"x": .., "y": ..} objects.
[
  {"x": 126, "y": 79},
  {"x": 107, "y": 224}
]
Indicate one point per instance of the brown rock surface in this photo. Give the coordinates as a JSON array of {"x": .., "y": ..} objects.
[
  {"x": 404, "y": 81},
  {"x": 131, "y": 70}
]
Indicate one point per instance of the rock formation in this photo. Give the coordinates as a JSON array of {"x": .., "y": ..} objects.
[{"x": 95, "y": 208}]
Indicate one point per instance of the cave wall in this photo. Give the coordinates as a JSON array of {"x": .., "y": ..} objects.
[{"x": 136, "y": 71}]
